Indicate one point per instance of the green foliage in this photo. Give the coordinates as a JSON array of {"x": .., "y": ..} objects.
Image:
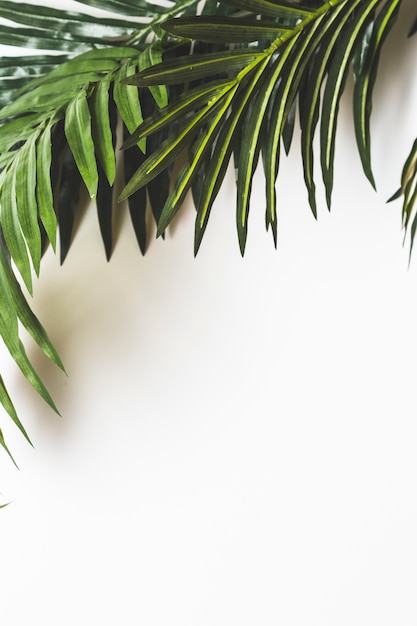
[{"x": 227, "y": 83}]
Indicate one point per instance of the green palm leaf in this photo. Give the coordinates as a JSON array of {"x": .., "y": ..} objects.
[
  {"x": 65, "y": 26},
  {"x": 191, "y": 68},
  {"x": 408, "y": 190},
  {"x": 80, "y": 140},
  {"x": 366, "y": 65},
  {"x": 254, "y": 70},
  {"x": 219, "y": 29},
  {"x": 43, "y": 189},
  {"x": 341, "y": 21}
]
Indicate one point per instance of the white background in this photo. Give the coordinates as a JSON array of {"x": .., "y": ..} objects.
[{"x": 238, "y": 437}]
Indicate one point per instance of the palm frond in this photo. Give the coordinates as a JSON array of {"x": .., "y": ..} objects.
[
  {"x": 408, "y": 190},
  {"x": 58, "y": 135},
  {"x": 311, "y": 56},
  {"x": 408, "y": 187},
  {"x": 214, "y": 81}
]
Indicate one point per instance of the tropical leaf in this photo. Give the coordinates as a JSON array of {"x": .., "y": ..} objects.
[
  {"x": 366, "y": 63},
  {"x": 191, "y": 68},
  {"x": 408, "y": 190},
  {"x": 204, "y": 81},
  {"x": 43, "y": 190},
  {"x": 222, "y": 29},
  {"x": 64, "y": 26},
  {"x": 80, "y": 140},
  {"x": 188, "y": 102},
  {"x": 10, "y": 225},
  {"x": 304, "y": 53},
  {"x": 67, "y": 200},
  {"x": 127, "y": 99},
  {"x": 17, "y": 72},
  {"x": 104, "y": 123},
  {"x": 151, "y": 56},
  {"x": 172, "y": 147},
  {"x": 137, "y": 201}
]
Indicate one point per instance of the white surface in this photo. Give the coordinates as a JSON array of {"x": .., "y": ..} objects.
[{"x": 238, "y": 440}]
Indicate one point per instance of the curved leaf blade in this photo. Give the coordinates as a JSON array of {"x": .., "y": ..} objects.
[
  {"x": 27, "y": 207},
  {"x": 62, "y": 24},
  {"x": 186, "y": 103},
  {"x": 168, "y": 151},
  {"x": 22, "y": 309},
  {"x": 365, "y": 78},
  {"x": 186, "y": 177},
  {"x": 44, "y": 197},
  {"x": 335, "y": 86},
  {"x": 101, "y": 129},
  {"x": 152, "y": 55},
  {"x": 221, "y": 29},
  {"x": 79, "y": 136},
  {"x": 11, "y": 226},
  {"x": 193, "y": 67},
  {"x": 127, "y": 100}
]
